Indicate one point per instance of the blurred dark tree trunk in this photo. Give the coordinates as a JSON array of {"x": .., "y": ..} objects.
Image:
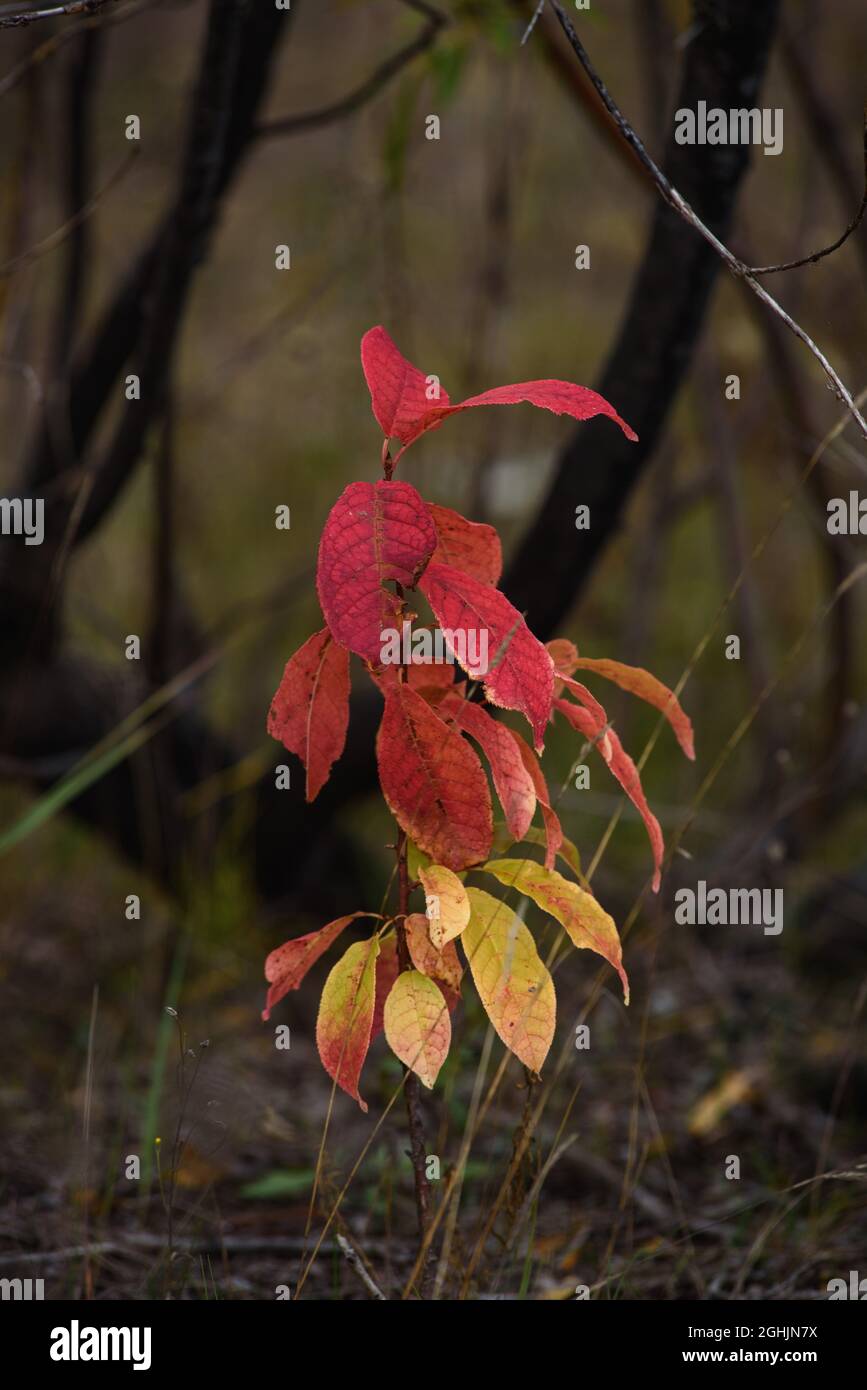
[{"x": 724, "y": 65}]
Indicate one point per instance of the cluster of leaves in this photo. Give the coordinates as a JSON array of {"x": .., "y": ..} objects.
[{"x": 381, "y": 540}]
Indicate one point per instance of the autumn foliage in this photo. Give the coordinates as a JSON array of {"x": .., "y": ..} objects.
[{"x": 383, "y": 550}]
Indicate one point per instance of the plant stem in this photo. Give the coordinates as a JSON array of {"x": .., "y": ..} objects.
[
  {"x": 411, "y": 1091},
  {"x": 413, "y": 1109}
]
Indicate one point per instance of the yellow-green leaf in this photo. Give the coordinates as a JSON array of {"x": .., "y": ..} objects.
[
  {"x": 448, "y": 908},
  {"x": 515, "y": 988},
  {"x": 417, "y": 1025},
  {"x": 586, "y": 921},
  {"x": 346, "y": 1016}
]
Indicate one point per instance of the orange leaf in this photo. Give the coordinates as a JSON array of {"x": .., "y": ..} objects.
[
  {"x": 443, "y": 966},
  {"x": 564, "y": 655},
  {"x": 641, "y": 683}
]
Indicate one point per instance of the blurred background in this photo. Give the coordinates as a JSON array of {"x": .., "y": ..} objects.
[{"x": 132, "y": 1028}]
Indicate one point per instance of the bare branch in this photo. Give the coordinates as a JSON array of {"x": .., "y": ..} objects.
[
  {"x": 656, "y": 340},
  {"x": 821, "y": 118},
  {"x": 537, "y": 15},
  {"x": 835, "y": 245},
  {"x": 358, "y": 1265},
  {"x": 17, "y": 18},
  {"x": 379, "y": 78},
  {"x": 50, "y": 243},
  {"x": 63, "y": 36},
  {"x": 684, "y": 210}
]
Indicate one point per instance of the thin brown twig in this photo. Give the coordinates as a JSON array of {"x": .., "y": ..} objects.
[
  {"x": 64, "y": 36},
  {"x": 822, "y": 121},
  {"x": 73, "y": 7},
  {"x": 357, "y": 1264},
  {"x": 368, "y": 89},
  {"x": 688, "y": 213},
  {"x": 835, "y": 245},
  {"x": 50, "y": 243}
]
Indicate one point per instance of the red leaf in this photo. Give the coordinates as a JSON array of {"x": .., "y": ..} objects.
[
  {"x": 286, "y": 966},
  {"x": 553, "y": 828},
  {"x": 420, "y": 675},
  {"x": 623, "y": 768},
  {"x": 310, "y": 710},
  {"x": 469, "y": 546},
  {"x": 512, "y": 781},
  {"x": 641, "y": 683},
  {"x": 560, "y": 397},
  {"x": 399, "y": 392},
  {"x": 598, "y": 718},
  {"x": 387, "y": 970},
  {"x": 375, "y": 532},
  {"x": 520, "y": 672},
  {"x": 433, "y": 782}
]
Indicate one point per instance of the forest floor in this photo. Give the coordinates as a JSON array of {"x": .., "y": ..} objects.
[{"x": 678, "y": 1158}]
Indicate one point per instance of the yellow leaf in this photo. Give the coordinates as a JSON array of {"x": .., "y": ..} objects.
[
  {"x": 586, "y": 921},
  {"x": 513, "y": 984},
  {"x": 448, "y": 908},
  {"x": 417, "y": 1025}
]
